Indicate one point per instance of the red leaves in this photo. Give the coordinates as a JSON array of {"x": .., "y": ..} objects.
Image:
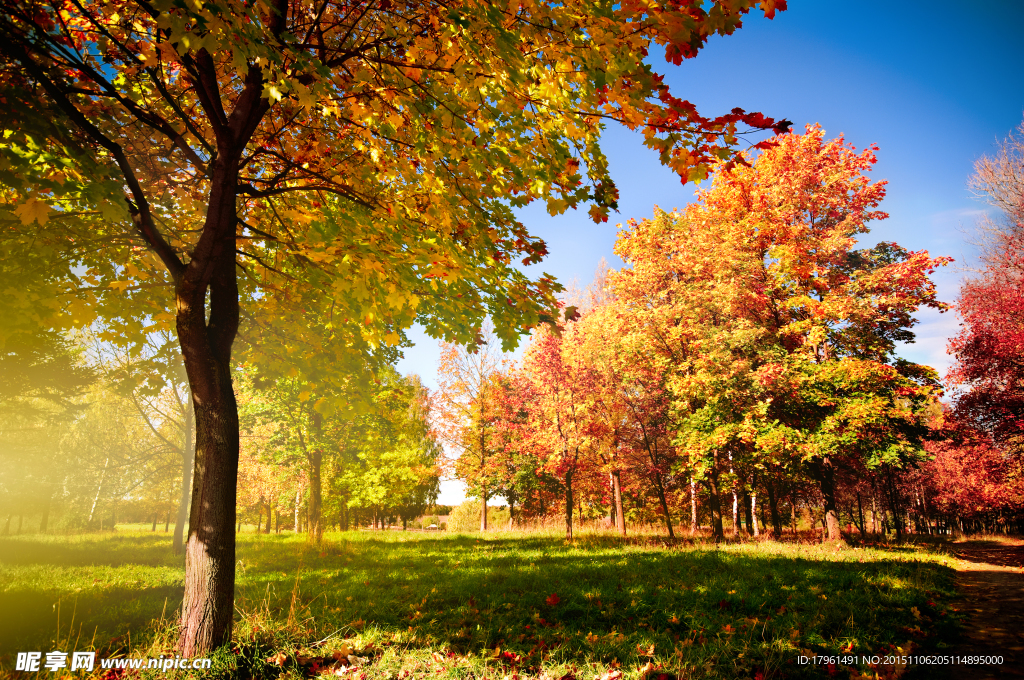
[{"x": 552, "y": 600}]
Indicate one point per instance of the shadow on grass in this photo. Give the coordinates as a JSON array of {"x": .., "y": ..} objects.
[{"x": 594, "y": 601}]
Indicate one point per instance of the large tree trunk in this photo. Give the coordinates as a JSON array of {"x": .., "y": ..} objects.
[
  {"x": 715, "y": 506},
  {"x": 620, "y": 517},
  {"x": 827, "y": 483},
  {"x": 188, "y": 458},
  {"x": 208, "y": 607}
]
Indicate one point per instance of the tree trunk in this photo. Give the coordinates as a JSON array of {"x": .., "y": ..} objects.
[
  {"x": 715, "y": 506},
  {"x": 298, "y": 495},
  {"x": 664, "y": 504},
  {"x": 827, "y": 483},
  {"x": 45, "y": 521},
  {"x": 860, "y": 511},
  {"x": 735, "y": 515},
  {"x": 752, "y": 513},
  {"x": 99, "y": 489},
  {"x": 167, "y": 522},
  {"x": 693, "y": 506},
  {"x": 154, "y": 523},
  {"x": 568, "y": 506},
  {"x": 314, "y": 520},
  {"x": 483, "y": 508},
  {"x": 7, "y": 526},
  {"x": 188, "y": 457},
  {"x": 773, "y": 510},
  {"x": 620, "y": 517},
  {"x": 208, "y": 606},
  {"x": 277, "y": 521}
]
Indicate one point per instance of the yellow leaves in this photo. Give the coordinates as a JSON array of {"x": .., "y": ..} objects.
[
  {"x": 33, "y": 210},
  {"x": 272, "y": 92},
  {"x": 305, "y": 395}
]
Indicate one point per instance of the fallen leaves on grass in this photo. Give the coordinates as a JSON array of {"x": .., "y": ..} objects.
[{"x": 552, "y": 600}]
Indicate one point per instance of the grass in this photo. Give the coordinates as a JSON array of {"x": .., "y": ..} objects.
[{"x": 456, "y": 606}]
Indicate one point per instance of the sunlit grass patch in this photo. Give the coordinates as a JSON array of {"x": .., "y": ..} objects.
[{"x": 423, "y": 604}]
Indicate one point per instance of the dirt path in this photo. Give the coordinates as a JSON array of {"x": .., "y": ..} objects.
[{"x": 991, "y": 578}]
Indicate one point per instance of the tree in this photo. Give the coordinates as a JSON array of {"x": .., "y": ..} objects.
[
  {"x": 383, "y": 144},
  {"x": 780, "y": 334},
  {"x": 989, "y": 369},
  {"x": 463, "y": 408}
]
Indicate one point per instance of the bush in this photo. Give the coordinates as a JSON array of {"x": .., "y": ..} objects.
[{"x": 466, "y": 517}]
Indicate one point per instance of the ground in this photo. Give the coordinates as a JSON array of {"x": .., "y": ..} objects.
[
  {"x": 398, "y": 605},
  {"x": 990, "y": 578}
]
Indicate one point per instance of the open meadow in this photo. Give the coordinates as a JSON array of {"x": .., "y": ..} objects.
[{"x": 417, "y": 604}]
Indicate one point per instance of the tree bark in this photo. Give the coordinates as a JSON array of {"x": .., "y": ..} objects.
[
  {"x": 188, "y": 457},
  {"x": 664, "y": 504},
  {"x": 483, "y": 508},
  {"x": 752, "y": 513},
  {"x": 99, "y": 489},
  {"x": 826, "y": 477},
  {"x": 620, "y": 517},
  {"x": 568, "y": 506},
  {"x": 773, "y": 509},
  {"x": 715, "y": 506},
  {"x": 693, "y": 506},
  {"x": 314, "y": 519}
]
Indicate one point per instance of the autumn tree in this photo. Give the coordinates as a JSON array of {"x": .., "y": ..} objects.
[
  {"x": 385, "y": 144},
  {"x": 989, "y": 369},
  {"x": 781, "y": 334},
  {"x": 464, "y": 408}
]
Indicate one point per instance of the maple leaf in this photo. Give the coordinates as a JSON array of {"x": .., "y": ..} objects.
[
  {"x": 552, "y": 600},
  {"x": 33, "y": 210}
]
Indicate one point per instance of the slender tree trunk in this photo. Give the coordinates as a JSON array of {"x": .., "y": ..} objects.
[
  {"x": 568, "y": 506},
  {"x": 269, "y": 512},
  {"x": 99, "y": 489},
  {"x": 153, "y": 530},
  {"x": 7, "y": 526},
  {"x": 860, "y": 511},
  {"x": 298, "y": 495},
  {"x": 611, "y": 506},
  {"x": 167, "y": 522},
  {"x": 693, "y": 506},
  {"x": 21, "y": 518},
  {"x": 752, "y": 509},
  {"x": 483, "y": 508},
  {"x": 620, "y": 517},
  {"x": 792, "y": 512},
  {"x": 277, "y": 520},
  {"x": 773, "y": 510},
  {"x": 735, "y": 515},
  {"x": 664, "y": 504},
  {"x": 45, "y": 521},
  {"x": 314, "y": 523},
  {"x": 188, "y": 458}
]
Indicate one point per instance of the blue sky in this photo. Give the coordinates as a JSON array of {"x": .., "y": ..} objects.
[{"x": 934, "y": 84}]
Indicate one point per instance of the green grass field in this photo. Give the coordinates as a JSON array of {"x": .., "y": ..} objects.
[{"x": 454, "y": 606}]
